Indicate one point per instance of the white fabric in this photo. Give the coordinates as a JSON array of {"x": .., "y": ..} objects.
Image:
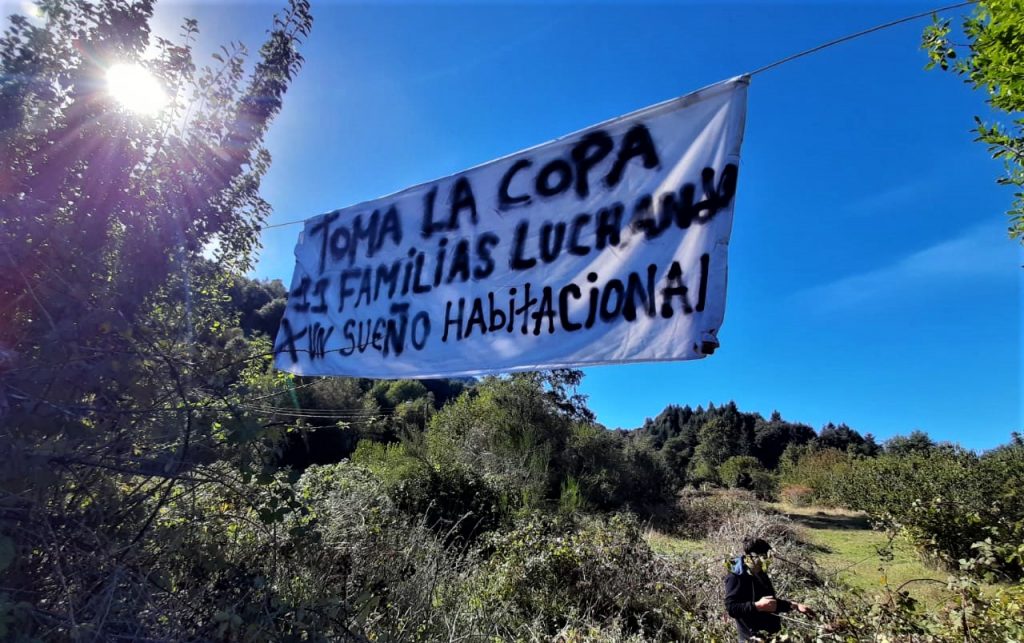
[{"x": 378, "y": 294}]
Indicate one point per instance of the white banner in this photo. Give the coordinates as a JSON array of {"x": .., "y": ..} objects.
[{"x": 605, "y": 246}]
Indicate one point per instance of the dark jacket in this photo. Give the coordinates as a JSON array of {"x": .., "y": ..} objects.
[{"x": 743, "y": 588}]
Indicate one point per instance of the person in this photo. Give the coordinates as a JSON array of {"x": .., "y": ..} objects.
[{"x": 749, "y": 596}]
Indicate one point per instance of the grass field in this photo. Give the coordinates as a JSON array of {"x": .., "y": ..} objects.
[
  {"x": 670, "y": 545},
  {"x": 849, "y": 551},
  {"x": 846, "y": 549}
]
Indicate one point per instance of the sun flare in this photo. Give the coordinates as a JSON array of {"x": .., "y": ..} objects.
[
  {"x": 32, "y": 10},
  {"x": 136, "y": 89}
]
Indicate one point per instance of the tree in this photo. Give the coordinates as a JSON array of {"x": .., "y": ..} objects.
[
  {"x": 841, "y": 437},
  {"x": 737, "y": 471},
  {"x": 120, "y": 356},
  {"x": 676, "y": 453},
  {"x": 989, "y": 54},
  {"x": 772, "y": 438},
  {"x": 561, "y": 387},
  {"x": 717, "y": 443},
  {"x": 674, "y": 421},
  {"x": 261, "y": 304},
  {"x": 509, "y": 430},
  {"x": 869, "y": 447},
  {"x": 917, "y": 442}
]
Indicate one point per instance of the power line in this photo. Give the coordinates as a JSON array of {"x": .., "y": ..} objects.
[
  {"x": 858, "y": 34},
  {"x": 281, "y": 225},
  {"x": 318, "y": 414},
  {"x": 282, "y": 391},
  {"x": 280, "y": 410},
  {"x": 350, "y": 415},
  {"x": 783, "y": 61}
]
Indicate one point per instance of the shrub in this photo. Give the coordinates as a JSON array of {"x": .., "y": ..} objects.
[
  {"x": 753, "y": 521},
  {"x": 702, "y": 512},
  {"x": 764, "y": 485},
  {"x": 972, "y": 613},
  {"x": 551, "y": 571},
  {"x": 376, "y": 569},
  {"x": 392, "y": 463},
  {"x": 571, "y": 501},
  {"x": 735, "y": 472},
  {"x": 947, "y": 501},
  {"x": 614, "y": 473},
  {"x": 747, "y": 472},
  {"x": 701, "y": 473},
  {"x": 797, "y": 495},
  {"x": 820, "y": 470},
  {"x": 454, "y": 502},
  {"x": 507, "y": 431}
]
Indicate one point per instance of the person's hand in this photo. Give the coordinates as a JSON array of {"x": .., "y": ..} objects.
[
  {"x": 766, "y": 604},
  {"x": 803, "y": 609}
]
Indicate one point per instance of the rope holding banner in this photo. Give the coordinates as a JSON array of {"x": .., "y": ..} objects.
[
  {"x": 858, "y": 35},
  {"x": 777, "y": 63}
]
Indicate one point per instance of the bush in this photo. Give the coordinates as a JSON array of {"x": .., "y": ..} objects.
[
  {"x": 747, "y": 472},
  {"x": 452, "y": 501},
  {"x": 377, "y": 570},
  {"x": 735, "y": 472},
  {"x": 822, "y": 471},
  {"x": 947, "y": 501},
  {"x": 508, "y": 432},
  {"x": 797, "y": 495},
  {"x": 701, "y": 473},
  {"x": 614, "y": 473},
  {"x": 702, "y": 512},
  {"x": 550, "y": 571},
  {"x": 392, "y": 463}
]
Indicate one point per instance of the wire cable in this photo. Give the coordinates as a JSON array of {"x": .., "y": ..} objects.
[
  {"x": 782, "y": 61},
  {"x": 832, "y": 43}
]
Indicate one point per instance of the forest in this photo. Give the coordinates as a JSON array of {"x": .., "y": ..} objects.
[{"x": 160, "y": 481}]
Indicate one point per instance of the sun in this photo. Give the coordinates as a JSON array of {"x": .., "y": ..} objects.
[
  {"x": 136, "y": 89},
  {"x": 32, "y": 10}
]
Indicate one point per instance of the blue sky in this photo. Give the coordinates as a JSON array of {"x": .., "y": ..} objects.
[{"x": 871, "y": 280}]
